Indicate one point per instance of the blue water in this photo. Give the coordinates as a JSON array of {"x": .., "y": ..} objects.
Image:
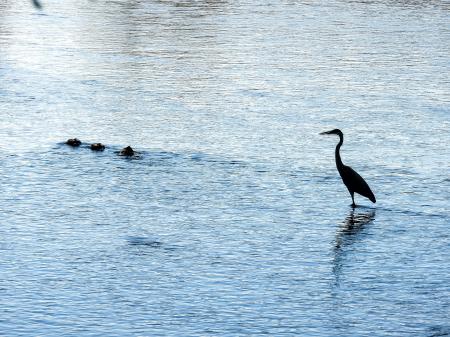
[{"x": 232, "y": 219}]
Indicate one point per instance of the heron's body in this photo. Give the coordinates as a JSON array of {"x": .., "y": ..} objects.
[{"x": 352, "y": 180}]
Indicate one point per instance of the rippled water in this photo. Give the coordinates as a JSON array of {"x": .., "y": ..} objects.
[{"x": 232, "y": 220}]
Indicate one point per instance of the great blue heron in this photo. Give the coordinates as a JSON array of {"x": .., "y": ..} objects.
[{"x": 351, "y": 179}]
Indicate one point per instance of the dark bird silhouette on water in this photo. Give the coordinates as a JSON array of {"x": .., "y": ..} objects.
[
  {"x": 127, "y": 152},
  {"x": 74, "y": 142},
  {"x": 351, "y": 179},
  {"x": 97, "y": 147},
  {"x": 37, "y": 4}
]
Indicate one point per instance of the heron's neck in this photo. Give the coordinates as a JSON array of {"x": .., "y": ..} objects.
[{"x": 339, "y": 163}]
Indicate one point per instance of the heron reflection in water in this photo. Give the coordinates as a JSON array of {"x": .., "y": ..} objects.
[{"x": 350, "y": 232}]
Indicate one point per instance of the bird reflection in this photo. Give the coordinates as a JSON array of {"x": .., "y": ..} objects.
[{"x": 348, "y": 233}]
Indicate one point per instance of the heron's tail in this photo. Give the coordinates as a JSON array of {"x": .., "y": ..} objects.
[{"x": 371, "y": 197}]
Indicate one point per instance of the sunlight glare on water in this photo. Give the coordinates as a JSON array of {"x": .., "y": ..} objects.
[{"x": 232, "y": 219}]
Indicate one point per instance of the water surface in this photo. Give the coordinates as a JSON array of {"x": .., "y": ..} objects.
[{"x": 232, "y": 220}]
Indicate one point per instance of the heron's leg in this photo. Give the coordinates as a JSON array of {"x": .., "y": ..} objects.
[{"x": 353, "y": 199}]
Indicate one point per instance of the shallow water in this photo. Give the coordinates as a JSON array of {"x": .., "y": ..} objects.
[{"x": 232, "y": 219}]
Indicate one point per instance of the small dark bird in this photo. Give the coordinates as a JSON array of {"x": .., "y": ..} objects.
[
  {"x": 74, "y": 142},
  {"x": 37, "y": 4},
  {"x": 97, "y": 147},
  {"x": 127, "y": 151},
  {"x": 351, "y": 179}
]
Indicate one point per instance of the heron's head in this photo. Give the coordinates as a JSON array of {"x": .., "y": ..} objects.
[{"x": 333, "y": 132}]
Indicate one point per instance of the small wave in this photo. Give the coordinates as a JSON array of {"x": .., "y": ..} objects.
[
  {"x": 412, "y": 213},
  {"x": 439, "y": 331},
  {"x": 143, "y": 241},
  {"x": 203, "y": 157}
]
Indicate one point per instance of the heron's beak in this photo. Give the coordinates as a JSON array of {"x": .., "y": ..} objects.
[{"x": 325, "y": 133}]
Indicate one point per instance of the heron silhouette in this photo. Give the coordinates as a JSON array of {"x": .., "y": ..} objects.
[{"x": 351, "y": 179}]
